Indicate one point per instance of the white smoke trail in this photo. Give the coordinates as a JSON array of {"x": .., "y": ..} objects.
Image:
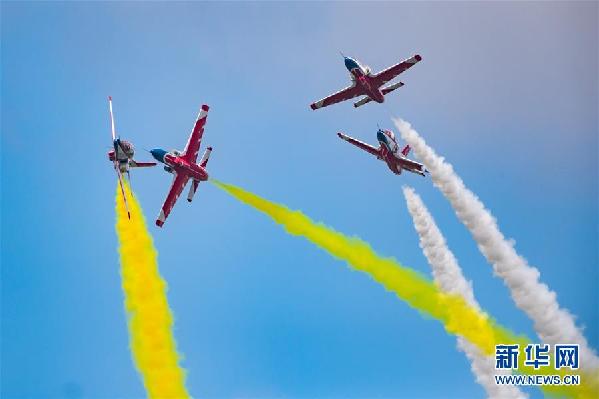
[
  {"x": 553, "y": 324},
  {"x": 448, "y": 275}
]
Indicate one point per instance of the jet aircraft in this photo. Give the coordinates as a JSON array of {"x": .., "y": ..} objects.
[
  {"x": 122, "y": 156},
  {"x": 368, "y": 84},
  {"x": 183, "y": 166},
  {"x": 388, "y": 151}
]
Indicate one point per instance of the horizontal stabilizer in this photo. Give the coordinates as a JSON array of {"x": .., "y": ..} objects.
[
  {"x": 389, "y": 89},
  {"x": 362, "y": 101},
  {"x": 192, "y": 189},
  {"x": 205, "y": 157},
  {"x": 412, "y": 166},
  {"x": 136, "y": 164},
  {"x": 419, "y": 172}
]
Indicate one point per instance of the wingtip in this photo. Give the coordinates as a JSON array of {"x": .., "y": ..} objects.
[
  {"x": 209, "y": 148},
  {"x": 418, "y": 57},
  {"x": 205, "y": 108},
  {"x": 129, "y": 215},
  {"x": 313, "y": 106},
  {"x": 161, "y": 219},
  {"x": 109, "y": 98}
]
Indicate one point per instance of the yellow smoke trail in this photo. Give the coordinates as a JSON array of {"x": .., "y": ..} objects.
[
  {"x": 419, "y": 292},
  {"x": 150, "y": 319}
]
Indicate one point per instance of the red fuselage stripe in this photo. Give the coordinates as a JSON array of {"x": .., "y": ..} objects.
[
  {"x": 367, "y": 84},
  {"x": 180, "y": 165}
]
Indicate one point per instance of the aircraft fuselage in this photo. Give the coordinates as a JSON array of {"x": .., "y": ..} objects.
[
  {"x": 123, "y": 151},
  {"x": 362, "y": 78},
  {"x": 175, "y": 163},
  {"x": 389, "y": 150}
]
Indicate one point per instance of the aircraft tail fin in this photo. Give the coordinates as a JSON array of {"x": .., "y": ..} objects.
[
  {"x": 362, "y": 101},
  {"x": 193, "y": 187},
  {"x": 389, "y": 89},
  {"x": 406, "y": 150}
]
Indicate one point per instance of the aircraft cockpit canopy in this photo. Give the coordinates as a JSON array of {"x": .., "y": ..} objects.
[{"x": 127, "y": 147}]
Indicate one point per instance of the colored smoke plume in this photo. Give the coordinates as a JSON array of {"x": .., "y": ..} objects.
[
  {"x": 453, "y": 311},
  {"x": 149, "y": 317},
  {"x": 448, "y": 275},
  {"x": 553, "y": 324}
]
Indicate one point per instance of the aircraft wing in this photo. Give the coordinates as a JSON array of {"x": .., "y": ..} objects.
[
  {"x": 195, "y": 138},
  {"x": 177, "y": 187},
  {"x": 120, "y": 176},
  {"x": 410, "y": 165},
  {"x": 115, "y": 161},
  {"x": 133, "y": 163},
  {"x": 342, "y": 95},
  {"x": 111, "y": 118},
  {"x": 386, "y": 75},
  {"x": 366, "y": 147}
]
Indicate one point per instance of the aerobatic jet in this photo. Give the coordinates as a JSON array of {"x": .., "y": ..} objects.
[
  {"x": 183, "y": 166},
  {"x": 122, "y": 156},
  {"x": 388, "y": 151},
  {"x": 368, "y": 84}
]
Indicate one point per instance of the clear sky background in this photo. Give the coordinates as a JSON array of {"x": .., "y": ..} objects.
[{"x": 507, "y": 92}]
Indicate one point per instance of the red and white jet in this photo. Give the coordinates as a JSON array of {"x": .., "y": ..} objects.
[
  {"x": 183, "y": 166},
  {"x": 365, "y": 83},
  {"x": 388, "y": 151},
  {"x": 122, "y": 156}
]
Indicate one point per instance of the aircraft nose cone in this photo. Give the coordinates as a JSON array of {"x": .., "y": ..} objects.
[
  {"x": 349, "y": 63},
  {"x": 158, "y": 154}
]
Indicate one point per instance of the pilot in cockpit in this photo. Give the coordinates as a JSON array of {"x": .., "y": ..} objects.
[
  {"x": 392, "y": 143},
  {"x": 387, "y": 138}
]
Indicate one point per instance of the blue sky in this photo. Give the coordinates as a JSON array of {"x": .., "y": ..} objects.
[{"x": 507, "y": 92}]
